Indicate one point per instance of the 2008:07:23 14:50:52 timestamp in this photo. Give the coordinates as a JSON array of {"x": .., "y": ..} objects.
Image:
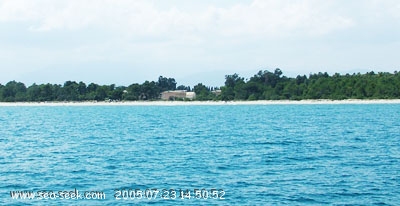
[{"x": 169, "y": 194}]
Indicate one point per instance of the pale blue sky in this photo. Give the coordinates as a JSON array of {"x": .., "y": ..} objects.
[{"x": 130, "y": 41}]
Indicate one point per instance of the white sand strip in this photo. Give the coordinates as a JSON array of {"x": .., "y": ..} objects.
[{"x": 178, "y": 103}]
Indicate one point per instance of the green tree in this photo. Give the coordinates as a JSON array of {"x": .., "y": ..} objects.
[
  {"x": 166, "y": 84},
  {"x": 117, "y": 93},
  {"x": 132, "y": 92},
  {"x": 33, "y": 92},
  {"x": 228, "y": 91},
  {"x": 46, "y": 93},
  {"x": 149, "y": 91},
  {"x": 69, "y": 91},
  {"x": 202, "y": 92},
  {"x": 14, "y": 92},
  {"x": 183, "y": 87}
]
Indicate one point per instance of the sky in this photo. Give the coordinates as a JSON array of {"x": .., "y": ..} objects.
[{"x": 129, "y": 41}]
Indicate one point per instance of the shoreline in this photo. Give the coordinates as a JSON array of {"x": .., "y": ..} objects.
[{"x": 188, "y": 103}]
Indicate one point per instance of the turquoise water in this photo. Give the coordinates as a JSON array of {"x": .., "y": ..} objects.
[{"x": 252, "y": 155}]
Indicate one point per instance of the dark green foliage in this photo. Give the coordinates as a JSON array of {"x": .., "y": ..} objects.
[
  {"x": 267, "y": 85},
  {"x": 233, "y": 84},
  {"x": 264, "y": 85},
  {"x": 166, "y": 84},
  {"x": 13, "y": 92},
  {"x": 202, "y": 92},
  {"x": 132, "y": 92},
  {"x": 183, "y": 87},
  {"x": 149, "y": 91}
]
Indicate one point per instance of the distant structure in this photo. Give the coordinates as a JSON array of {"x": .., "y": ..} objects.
[
  {"x": 217, "y": 92},
  {"x": 171, "y": 95},
  {"x": 190, "y": 95}
]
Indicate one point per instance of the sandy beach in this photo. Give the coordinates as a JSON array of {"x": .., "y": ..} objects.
[{"x": 188, "y": 103}]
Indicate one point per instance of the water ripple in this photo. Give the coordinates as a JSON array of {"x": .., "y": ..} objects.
[{"x": 260, "y": 155}]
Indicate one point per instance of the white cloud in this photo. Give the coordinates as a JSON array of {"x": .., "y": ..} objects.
[
  {"x": 269, "y": 17},
  {"x": 184, "y": 39}
]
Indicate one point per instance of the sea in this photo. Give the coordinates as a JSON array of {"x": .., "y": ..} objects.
[{"x": 297, "y": 154}]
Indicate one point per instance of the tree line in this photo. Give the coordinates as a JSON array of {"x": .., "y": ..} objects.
[
  {"x": 265, "y": 85},
  {"x": 73, "y": 91}
]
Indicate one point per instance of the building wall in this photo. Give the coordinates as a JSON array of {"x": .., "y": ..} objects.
[
  {"x": 190, "y": 95},
  {"x": 170, "y": 94}
]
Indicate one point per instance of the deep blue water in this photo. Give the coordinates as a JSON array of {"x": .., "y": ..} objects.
[{"x": 258, "y": 155}]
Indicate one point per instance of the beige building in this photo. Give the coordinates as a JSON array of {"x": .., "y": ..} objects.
[{"x": 168, "y": 95}]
